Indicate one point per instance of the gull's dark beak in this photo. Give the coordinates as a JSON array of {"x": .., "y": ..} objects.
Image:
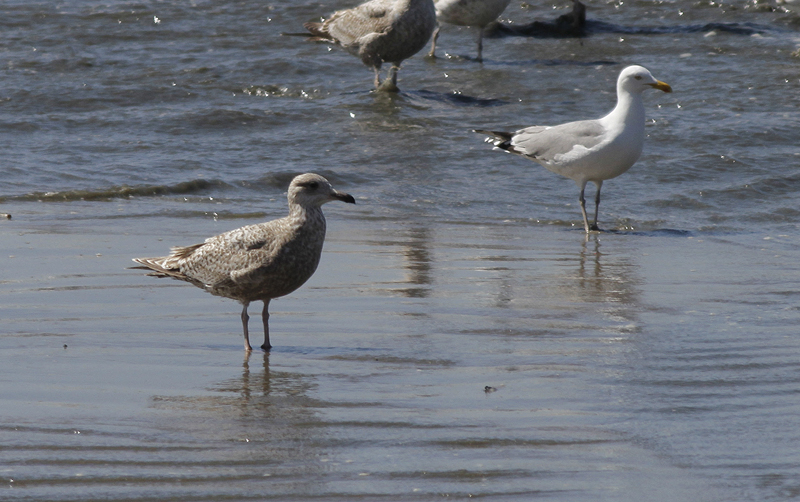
[{"x": 344, "y": 197}]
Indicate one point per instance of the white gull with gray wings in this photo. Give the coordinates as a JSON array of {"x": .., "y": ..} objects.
[
  {"x": 262, "y": 261},
  {"x": 589, "y": 150}
]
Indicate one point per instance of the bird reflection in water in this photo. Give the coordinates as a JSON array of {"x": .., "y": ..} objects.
[
  {"x": 417, "y": 257},
  {"x": 608, "y": 279}
]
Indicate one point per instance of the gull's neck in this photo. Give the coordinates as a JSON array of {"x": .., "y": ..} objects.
[
  {"x": 628, "y": 112},
  {"x": 306, "y": 217}
]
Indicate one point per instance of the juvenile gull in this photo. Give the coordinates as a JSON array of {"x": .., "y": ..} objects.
[
  {"x": 477, "y": 13},
  {"x": 262, "y": 261},
  {"x": 380, "y": 31},
  {"x": 589, "y": 150}
]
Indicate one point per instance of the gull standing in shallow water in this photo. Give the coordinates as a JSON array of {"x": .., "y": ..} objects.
[
  {"x": 467, "y": 13},
  {"x": 589, "y": 150},
  {"x": 258, "y": 262},
  {"x": 380, "y": 31}
]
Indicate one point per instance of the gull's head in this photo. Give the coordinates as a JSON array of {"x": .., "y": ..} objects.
[
  {"x": 635, "y": 79},
  {"x": 313, "y": 190}
]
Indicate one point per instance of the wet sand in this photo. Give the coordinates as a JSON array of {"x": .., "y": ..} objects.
[
  {"x": 120, "y": 385},
  {"x": 461, "y": 338}
]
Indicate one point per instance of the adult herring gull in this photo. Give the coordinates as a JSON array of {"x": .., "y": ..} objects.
[
  {"x": 589, "y": 150},
  {"x": 262, "y": 261},
  {"x": 477, "y": 13},
  {"x": 380, "y": 31}
]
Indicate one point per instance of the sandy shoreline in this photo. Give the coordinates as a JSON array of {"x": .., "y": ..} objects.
[{"x": 390, "y": 344}]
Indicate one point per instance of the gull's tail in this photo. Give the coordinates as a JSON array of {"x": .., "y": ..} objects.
[
  {"x": 317, "y": 32},
  {"x": 167, "y": 266}
]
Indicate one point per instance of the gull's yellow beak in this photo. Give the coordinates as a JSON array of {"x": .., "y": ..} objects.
[{"x": 661, "y": 86}]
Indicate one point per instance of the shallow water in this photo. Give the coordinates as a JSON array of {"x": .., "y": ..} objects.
[{"x": 461, "y": 337}]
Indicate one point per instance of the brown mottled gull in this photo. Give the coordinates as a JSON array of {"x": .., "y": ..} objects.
[
  {"x": 380, "y": 31},
  {"x": 258, "y": 262},
  {"x": 589, "y": 150},
  {"x": 477, "y": 13}
]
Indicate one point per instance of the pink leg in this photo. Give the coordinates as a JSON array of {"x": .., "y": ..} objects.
[
  {"x": 246, "y": 318},
  {"x": 265, "y": 318}
]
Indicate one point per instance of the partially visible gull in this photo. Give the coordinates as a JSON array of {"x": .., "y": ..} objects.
[
  {"x": 258, "y": 262},
  {"x": 571, "y": 24},
  {"x": 380, "y": 31},
  {"x": 589, "y": 150},
  {"x": 477, "y": 13}
]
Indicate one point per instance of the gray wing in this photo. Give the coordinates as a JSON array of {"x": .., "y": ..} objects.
[{"x": 552, "y": 144}]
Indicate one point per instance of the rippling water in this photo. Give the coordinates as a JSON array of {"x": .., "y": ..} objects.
[{"x": 461, "y": 338}]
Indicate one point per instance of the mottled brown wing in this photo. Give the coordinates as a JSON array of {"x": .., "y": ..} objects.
[{"x": 349, "y": 26}]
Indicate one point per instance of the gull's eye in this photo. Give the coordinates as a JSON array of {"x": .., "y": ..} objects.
[
  {"x": 313, "y": 185},
  {"x": 638, "y": 77}
]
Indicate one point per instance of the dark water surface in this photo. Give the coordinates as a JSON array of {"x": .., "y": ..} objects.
[{"x": 461, "y": 337}]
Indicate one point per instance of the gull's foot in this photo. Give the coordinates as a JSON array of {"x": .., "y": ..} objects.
[
  {"x": 265, "y": 347},
  {"x": 388, "y": 86}
]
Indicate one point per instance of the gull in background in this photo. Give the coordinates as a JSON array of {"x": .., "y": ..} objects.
[
  {"x": 380, "y": 31},
  {"x": 477, "y": 13}
]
